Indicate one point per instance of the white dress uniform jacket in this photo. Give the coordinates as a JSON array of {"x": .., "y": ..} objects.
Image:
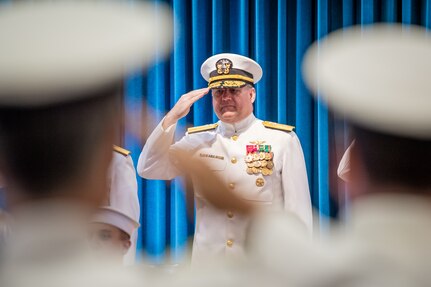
[
  {"x": 224, "y": 150},
  {"x": 124, "y": 192},
  {"x": 385, "y": 243}
]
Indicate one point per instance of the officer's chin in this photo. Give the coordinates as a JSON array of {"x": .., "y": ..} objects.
[{"x": 229, "y": 117}]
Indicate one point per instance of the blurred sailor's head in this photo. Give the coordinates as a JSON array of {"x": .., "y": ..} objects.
[
  {"x": 108, "y": 240},
  {"x": 377, "y": 77},
  {"x": 61, "y": 68},
  {"x": 111, "y": 229}
]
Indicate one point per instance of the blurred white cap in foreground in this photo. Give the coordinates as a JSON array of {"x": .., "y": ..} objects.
[
  {"x": 56, "y": 51},
  {"x": 377, "y": 76}
]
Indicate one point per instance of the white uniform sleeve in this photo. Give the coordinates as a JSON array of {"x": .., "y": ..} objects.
[
  {"x": 154, "y": 161},
  {"x": 124, "y": 186},
  {"x": 295, "y": 183},
  {"x": 124, "y": 194}
]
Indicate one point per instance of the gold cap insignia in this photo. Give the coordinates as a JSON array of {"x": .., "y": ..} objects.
[{"x": 223, "y": 66}]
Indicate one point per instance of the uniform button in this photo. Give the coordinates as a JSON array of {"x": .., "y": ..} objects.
[
  {"x": 229, "y": 242},
  {"x": 231, "y": 185},
  {"x": 233, "y": 160},
  {"x": 260, "y": 182},
  {"x": 230, "y": 214},
  {"x": 234, "y": 137}
]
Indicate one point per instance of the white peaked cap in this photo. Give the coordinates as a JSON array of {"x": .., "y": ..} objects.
[
  {"x": 116, "y": 217},
  {"x": 377, "y": 76},
  {"x": 241, "y": 69},
  {"x": 56, "y": 51}
]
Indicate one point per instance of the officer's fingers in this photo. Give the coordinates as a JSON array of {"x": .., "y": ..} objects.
[
  {"x": 196, "y": 93},
  {"x": 188, "y": 100},
  {"x": 203, "y": 90},
  {"x": 201, "y": 93},
  {"x": 182, "y": 107}
]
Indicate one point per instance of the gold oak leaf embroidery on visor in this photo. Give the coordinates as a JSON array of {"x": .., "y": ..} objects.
[{"x": 227, "y": 83}]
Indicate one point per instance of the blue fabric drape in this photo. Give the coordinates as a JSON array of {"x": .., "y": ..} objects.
[{"x": 276, "y": 34}]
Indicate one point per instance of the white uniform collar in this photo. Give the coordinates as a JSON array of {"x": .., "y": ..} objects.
[{"x": 237, "y": 128}]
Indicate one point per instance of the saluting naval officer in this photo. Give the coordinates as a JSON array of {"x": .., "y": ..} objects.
[{"x": 260, "y": 161}]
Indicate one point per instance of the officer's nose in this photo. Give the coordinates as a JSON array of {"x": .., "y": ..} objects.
[{"x": 227, "y": 96}]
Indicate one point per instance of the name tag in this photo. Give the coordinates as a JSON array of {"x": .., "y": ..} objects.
[
  {"x": 211, "y": 156},
  {"x": 214, "y": 162}
]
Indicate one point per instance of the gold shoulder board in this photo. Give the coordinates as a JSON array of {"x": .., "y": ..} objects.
[
  {"x": 278, "y": 126},
  {"x": 202, "y": 128},
  {"x": 121, "y": 150}
]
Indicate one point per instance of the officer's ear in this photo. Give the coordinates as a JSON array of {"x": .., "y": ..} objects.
[{"x": 252, "y": 95}]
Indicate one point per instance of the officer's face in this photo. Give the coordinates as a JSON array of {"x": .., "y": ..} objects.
[{"x": 232, "y": 105}]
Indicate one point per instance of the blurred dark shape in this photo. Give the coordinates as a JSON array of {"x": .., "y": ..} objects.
[
  {"x": 394, "y": 160},
  {"x": 42, "y": 149}
]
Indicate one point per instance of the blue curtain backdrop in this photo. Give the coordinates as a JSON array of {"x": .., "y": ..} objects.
[{"x": 276, "y": 34}]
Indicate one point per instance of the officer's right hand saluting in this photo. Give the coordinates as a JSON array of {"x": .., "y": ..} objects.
[{"x": 182, "y": 107}]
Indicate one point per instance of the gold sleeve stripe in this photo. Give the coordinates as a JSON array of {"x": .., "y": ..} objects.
[
  {"x": 202, "y": 128},
  {"x": 233, "y": 77},
  {"x": 278, "y": 126},
  {"x": 121, "y": 150}
]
